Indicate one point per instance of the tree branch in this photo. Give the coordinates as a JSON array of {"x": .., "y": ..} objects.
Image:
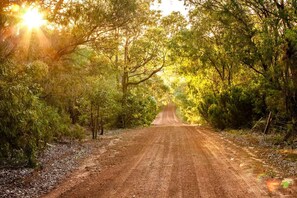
[
  {"x": 149, "y": 76},
  {"x": 134, "y": 69}
]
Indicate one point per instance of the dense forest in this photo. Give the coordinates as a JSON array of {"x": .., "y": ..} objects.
[
  {"x": 239, "y": 59},
  {"x": 87, "y": 66}
]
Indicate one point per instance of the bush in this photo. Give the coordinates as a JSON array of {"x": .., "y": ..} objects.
[
  {"x": 233, "y": 108},
  {"x": 77, "y": 132},
  {"x": 138, "y": 111},
  {"x": 216, "y": 116},
  {"x": 26, "y": 123}
]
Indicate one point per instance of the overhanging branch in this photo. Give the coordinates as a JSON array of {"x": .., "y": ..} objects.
[{"x": 149, "y": 76}]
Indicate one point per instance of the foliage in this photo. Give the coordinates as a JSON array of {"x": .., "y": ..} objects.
[
  {"x": 239, "y": 59},
  {"x": 93, "y": 67},
  {"x": 79, "y": 72},
  {"x": 139, "y": 110},
  {"x": 232, "y": 108},
  {"x": 27, "y": 123},
  {"x": 104, "y": 106}
]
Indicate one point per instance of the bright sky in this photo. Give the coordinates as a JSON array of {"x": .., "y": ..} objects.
[{"x": 168, "y": 6}]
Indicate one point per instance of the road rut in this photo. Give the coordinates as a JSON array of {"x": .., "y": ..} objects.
[{"x": 169, "y": 159}]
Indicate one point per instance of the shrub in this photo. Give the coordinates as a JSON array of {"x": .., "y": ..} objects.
[
  {"x": 216, "y": 116},
  {"x": 138, "y": 111},
  {"x": 26, "y": 123},
  {"x": 77, "y": 132},
  {"x": 232, "y": 108}
]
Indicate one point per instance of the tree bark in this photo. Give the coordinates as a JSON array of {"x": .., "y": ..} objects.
[
  {"x": 101, "y": 126},
  {"x": 92, "y": 122},
  {"x": 269, "y": 119}
]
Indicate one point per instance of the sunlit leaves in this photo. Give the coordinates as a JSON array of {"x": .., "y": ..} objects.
[{"x": 241, "y": 43}]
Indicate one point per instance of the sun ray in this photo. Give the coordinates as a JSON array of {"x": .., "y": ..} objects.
[
  {"x": 33, "y": 19},
  {"x": 26, "y": 43},
  {"x": 31, "y": 34}
]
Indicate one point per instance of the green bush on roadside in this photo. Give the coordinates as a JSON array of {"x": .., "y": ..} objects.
[
  {"x": 26, "y": 123},
  {"x": 232, "y": 108}
]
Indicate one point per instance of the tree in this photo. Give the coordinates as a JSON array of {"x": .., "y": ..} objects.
[
  {"x": 46, "y": 72},
  {"x": 103, "y": 106},
  {"x": 140, "y": 51},
  {"x": 244, "y": 42}
]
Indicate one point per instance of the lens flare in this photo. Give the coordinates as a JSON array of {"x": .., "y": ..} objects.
[
  {"x": 15, "y": 8},
  {"x": 273, "y": 185},
  {"x": 33, "y": 18}
]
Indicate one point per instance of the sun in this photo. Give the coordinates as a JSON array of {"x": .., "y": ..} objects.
[{"x": 33, "y": 18}]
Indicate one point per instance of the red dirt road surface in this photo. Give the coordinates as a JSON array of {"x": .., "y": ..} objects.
[{"x": 169, "y": 159}]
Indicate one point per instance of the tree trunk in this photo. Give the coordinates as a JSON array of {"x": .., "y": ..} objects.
[
  {"x": 124, "y": 97},
  {"x": 71, "y": 112},
  {"x": 97, "y": 122},
  {"x": 92, "y": 122},
  {"x": 125, "y": 80},
  {"x": 101, "y": 126},
  {"x": 269, "y": 119}
]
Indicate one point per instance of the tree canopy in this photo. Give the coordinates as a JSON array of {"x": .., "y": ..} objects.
[{"x": 69, "y": 67}]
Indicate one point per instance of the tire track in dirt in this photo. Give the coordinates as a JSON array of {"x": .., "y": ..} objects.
[
  {"x": 140, "y": 173},
  {"x": 219, "y": 170},
  {"x": 170, "y": 159}
]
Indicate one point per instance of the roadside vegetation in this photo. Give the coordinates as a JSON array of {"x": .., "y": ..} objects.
[
  {"x": 238, "y": 64},
  {"x": 69, "y": 68}
]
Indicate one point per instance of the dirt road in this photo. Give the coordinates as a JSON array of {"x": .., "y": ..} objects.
[{"x": 169, "y": 159}]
